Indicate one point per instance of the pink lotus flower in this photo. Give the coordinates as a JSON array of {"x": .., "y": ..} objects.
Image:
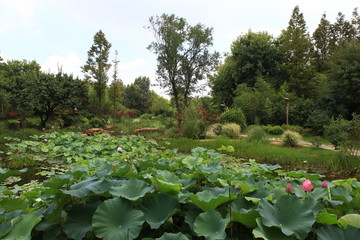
[
  {"x": 45, "y": 140},
  {"x": 307, "y": 186},
  {"x": 289, "y": 188},
  {"x": 324, "y": 184},
  {"x": 119, "y": 149}
]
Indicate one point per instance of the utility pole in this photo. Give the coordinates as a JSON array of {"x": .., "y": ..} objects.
[{"x": 287, "y": 112}]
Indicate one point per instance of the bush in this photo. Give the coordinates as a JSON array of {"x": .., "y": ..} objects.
[
  {"x": 171, "y": 132},
  {"x": 273, "y": 130},
  {"x": 194, "y": 129},
  {"x": 146, "y": 116},
  {"x": 233, "y": 115},
  {"x": 295, "y": 128},
  {"x": 32, "y": 122},
  {"x": 256, "y": 134},
  {"x": 217, "y": 129},
  {"x": 317, "y": 122},
  {"x": 231, "y": 130},
  {"x": 291, "y": 138},
  {"x": 337, "y": 132},
  {"x": 97, "y": 123},
  {"x": 13, "y": 124}
]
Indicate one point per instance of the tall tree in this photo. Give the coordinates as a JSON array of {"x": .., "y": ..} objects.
[
  {"x": 344, "y": 74},
  {"x": 343, "y": 30},
  {"x": 297, "y": 48},
  {"x": 97, "y": 66},
  {"x": 137, "y": 95},
  {"x": 116, "y": 88},
  {"x": 183, "y": 56},
  {"x": 322, "y": 42},
  {"x": 355, "y": 20}
]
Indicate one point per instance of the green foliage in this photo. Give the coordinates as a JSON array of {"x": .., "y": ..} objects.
[
  {"x": 145, "y": 192},
  {"x": 13, "y": 124},
  {"x": 97, "y": 122},
  {"x": 231, "y": 130},
  {"x": 137, "y": 95},
  {"x": 317, "y": 122},
  {"x": 194, "y": 129},
  {"x": 274, "y": 130},
  {"x": 233, "y": 115},
  {"x": 256, "y": 134},
  {"x": 290, "y": 138}
]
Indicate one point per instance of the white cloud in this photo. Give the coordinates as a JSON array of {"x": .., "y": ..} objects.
[{"x": 70, "y": 63}]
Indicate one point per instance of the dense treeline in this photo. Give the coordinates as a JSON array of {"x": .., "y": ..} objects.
[{"x": 318, "y": 73}]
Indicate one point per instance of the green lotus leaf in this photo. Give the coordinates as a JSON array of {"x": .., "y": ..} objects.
[
  {"x": 303, "y": 173},
  {"x": 244, "y": 212},
  {"x": 318, "y": 193},
  {"x": 5, "y": 228},
  {"x": 22, "y": 229},
  {"x": 158, "y": 208},
  {"x": 326, "y": 218},
  {"x": 133, "y": 189},
  {"x": 11, "y": 204},
  {"x": 173, "y": 236},
  {"x": 211, "y": 225},
  {"x": 286, "y": 214},
  {"x": 268, "y": 233},
  {"x": 350, "y": 219},
  {"x": 83, "y": 188},
  {"x": 340, "y": 193},
  {"x": 333, "y": 232},
  {"x": 210, "y": 199},
  {"x": 166, "y": 182},
  {"x": 79, "y": 221},
  {"x": 191, "y": 161},
  {"x": 116, "y": 219},
  {"x": 5, "y": 173}
]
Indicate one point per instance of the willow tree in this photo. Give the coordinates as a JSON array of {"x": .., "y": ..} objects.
[
  {"x": 183, "y": 57},
  {"x": 97, "y": 66}
]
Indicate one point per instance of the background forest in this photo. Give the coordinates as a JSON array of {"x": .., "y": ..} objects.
[{"x": 316, "y": 74}]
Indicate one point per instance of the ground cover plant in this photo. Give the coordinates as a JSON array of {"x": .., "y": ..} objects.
[{"x": 129, "y": 188}]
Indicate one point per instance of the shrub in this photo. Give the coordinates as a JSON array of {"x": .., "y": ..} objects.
[
  {"x": 32, "y": 122},
  {"x": 97, "y": 123},
  {"x": 294, "y": 128},
  {"x": 13, "y": 124},
  {"x": 317, "y": 121},
  {"x": 217, "y": 129},
  {"x": 231, "y": 130},
  {"x": 274, "y": 130},
  {"x": 256, "y": 134},
  {"x": 146, "y": 116},
  {"x": 291, "y": 138},
  {"x": 194, "y": 129},
  {"x": 171, "y": 132},
  {"x": 233, "y": 115}
]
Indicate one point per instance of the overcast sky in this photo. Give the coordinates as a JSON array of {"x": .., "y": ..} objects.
[{"x": 60, "y": 32}]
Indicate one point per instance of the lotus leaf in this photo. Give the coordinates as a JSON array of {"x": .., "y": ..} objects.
[
  {"x": 211, "y": 225},
  {"x": 116, "y": 219},
  {"x": 22, "y": 229},
  {"x": 132, "y": 189},
  {"x": 335, "y": 233}
]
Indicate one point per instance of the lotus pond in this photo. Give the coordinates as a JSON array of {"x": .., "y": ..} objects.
[{"x": 105, "y": 187}]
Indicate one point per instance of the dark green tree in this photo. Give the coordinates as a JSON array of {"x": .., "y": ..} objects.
[
  {"x": 344, "y": 74},
  {"x": 355, "y": 20},
  {"x": 137, "y": 95},
  {"x": 97, "y": 66},
  {"x": 343, "y": 30},
  {"x": 43, "y": 93},
  {"x": 183, "y": 57},
  {"x": 252, "y": 55},
  {"x": 297, "y": 48},
  {"x": 116, "y": 88},
  {"x": 322, "y": 38}
]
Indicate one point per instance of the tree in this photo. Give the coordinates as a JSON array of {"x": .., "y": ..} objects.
[
  {"x": 97, "y": 66},
  {"x": 356, "y": 23},
  {"x": 344, "y": 74},
  {"x": 137, "y": 95},
  {"x": 252, "y": 55},
  {"x": 322, "y": 43},
  {"x": 116, "y": 88},
  {"x": 297, "y": 48},
  {"x": 44, "y": 93},
  {"x": 183, "y": 58}
]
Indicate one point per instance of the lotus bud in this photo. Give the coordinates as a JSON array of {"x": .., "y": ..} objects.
[
  {"x": 324, "y": 184},
  {"x": 289, "y": 188},
  {"x": 307, "y": 186},
  {"x": 119, "y": 149}
]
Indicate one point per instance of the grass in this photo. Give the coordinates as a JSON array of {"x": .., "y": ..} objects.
[{"x": 308, "y": 158}]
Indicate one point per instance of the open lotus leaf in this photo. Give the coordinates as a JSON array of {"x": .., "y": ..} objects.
[
  {"x": 326, "y": 218},
  {"x": 116, "y": 219},
  {"x": 83, "y": 188},
  {"x": 211, "y": 225},
  {"x": 158, "y": 208},
  {"x": 133, "y": 189},
  {"x": 22, "y": 229},
  {"x": 290, "y": 214},
  {"x": 333, "y": 232}
]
